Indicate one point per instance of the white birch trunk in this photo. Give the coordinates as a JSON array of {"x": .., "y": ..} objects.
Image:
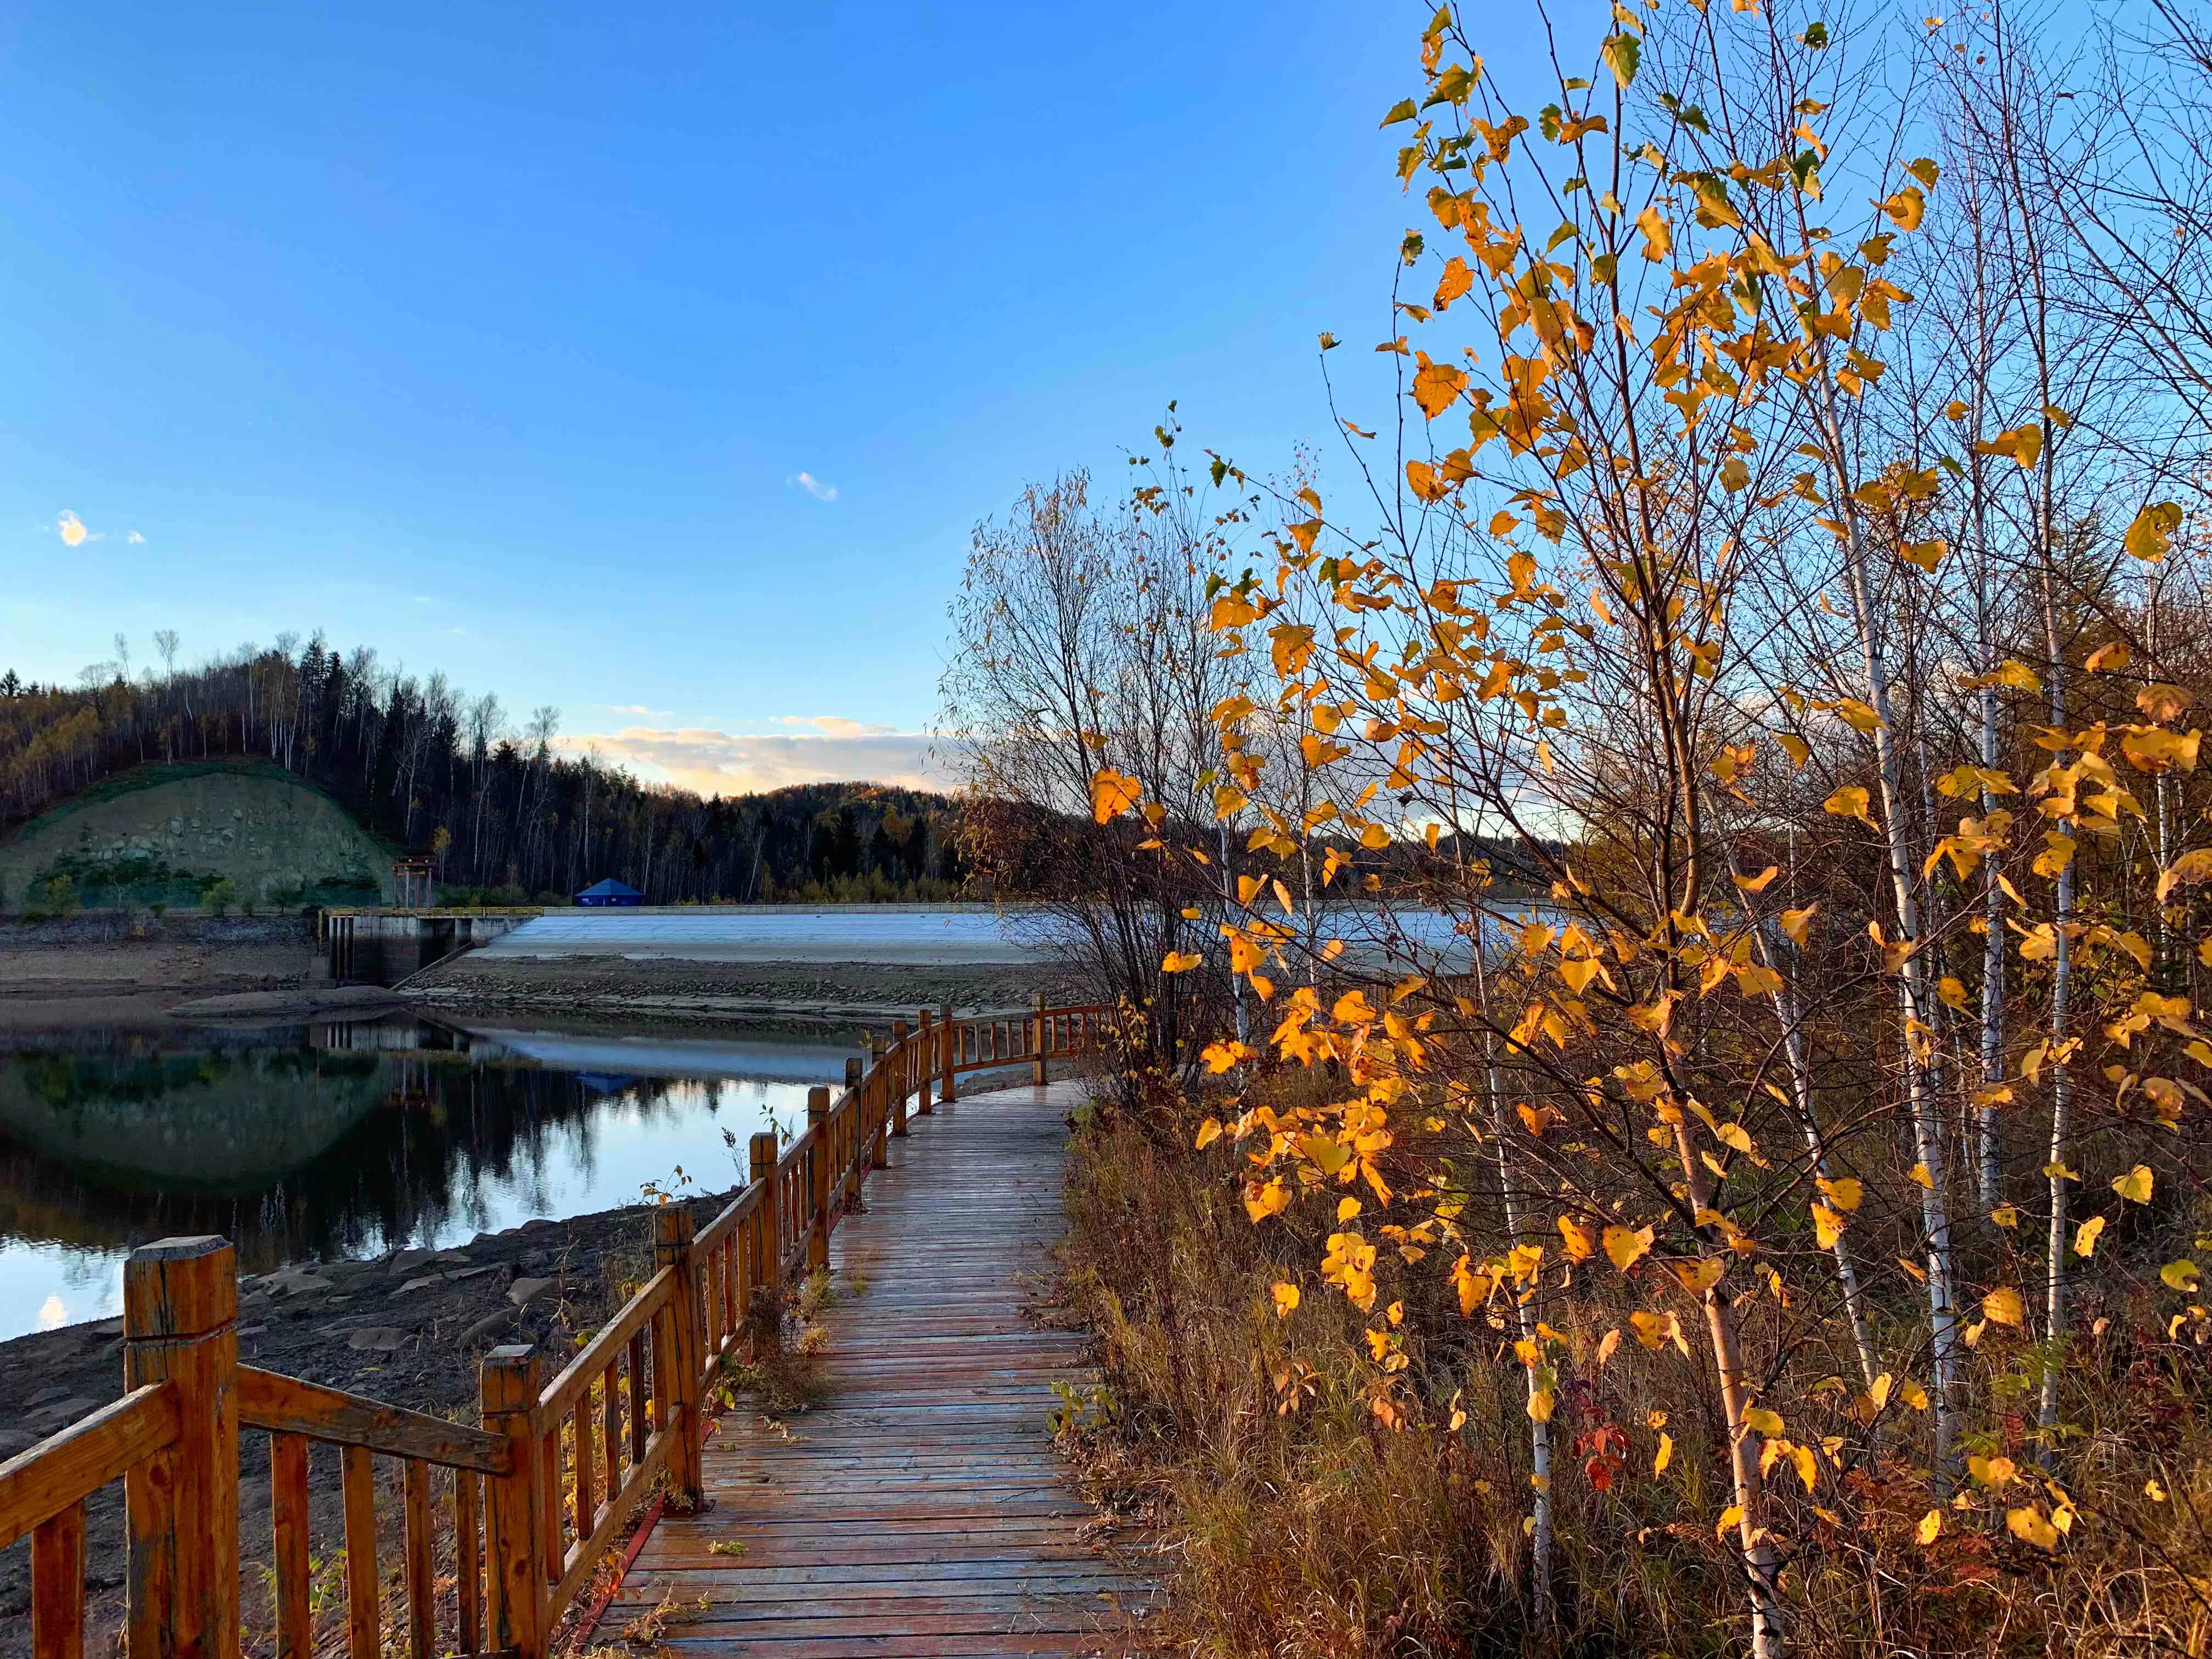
[
  {"x": 1912, "y": 998},
  {"x": 1542, "y": 1611}
]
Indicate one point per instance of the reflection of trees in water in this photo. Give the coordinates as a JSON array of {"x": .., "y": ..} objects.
[{"x": 430, "y": 1134}]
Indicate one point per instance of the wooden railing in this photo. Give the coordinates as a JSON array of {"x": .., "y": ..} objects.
[{"x": 540, "y": 1493}]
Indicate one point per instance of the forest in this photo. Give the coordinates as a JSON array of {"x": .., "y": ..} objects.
[
  {"x": 1754, "y": 599},
  {"x": 505, "y": 816}
]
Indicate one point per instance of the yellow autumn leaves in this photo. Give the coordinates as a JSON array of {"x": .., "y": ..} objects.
[{"x": 1624, "y": 1246}]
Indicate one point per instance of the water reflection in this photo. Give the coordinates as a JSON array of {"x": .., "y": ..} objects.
[{"x": 350, "y": 1139}]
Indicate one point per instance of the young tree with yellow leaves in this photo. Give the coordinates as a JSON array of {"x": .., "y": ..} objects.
[{"x": 1539, "y": 706}]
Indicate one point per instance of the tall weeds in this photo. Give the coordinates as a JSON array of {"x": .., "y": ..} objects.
[{"x": 1294, "y": 1521}]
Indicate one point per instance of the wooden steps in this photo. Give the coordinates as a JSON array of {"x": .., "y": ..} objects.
[{"x": 921, "y": 1510}]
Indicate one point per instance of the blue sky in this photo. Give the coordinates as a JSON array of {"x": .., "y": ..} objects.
[{"x": 500, "y": 336}]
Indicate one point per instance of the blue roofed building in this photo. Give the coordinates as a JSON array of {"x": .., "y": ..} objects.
[{"x": 610, "y": 892}]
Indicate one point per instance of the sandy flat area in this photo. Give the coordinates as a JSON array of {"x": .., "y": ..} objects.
[{"x": 134, "y": 980}]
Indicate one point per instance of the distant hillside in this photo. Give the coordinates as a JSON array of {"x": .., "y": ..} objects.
[
  {"x": 239, "y": 834},
  {"x": 502, "y": 817}
]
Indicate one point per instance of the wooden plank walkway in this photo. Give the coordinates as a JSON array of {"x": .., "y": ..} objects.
[{"x": 920, "y": 1510}]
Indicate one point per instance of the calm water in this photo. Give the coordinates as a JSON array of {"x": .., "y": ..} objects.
[{"x": 352, "y": 1140}]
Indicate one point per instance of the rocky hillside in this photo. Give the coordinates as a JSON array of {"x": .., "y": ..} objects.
[{"x": 194, "y": 836}]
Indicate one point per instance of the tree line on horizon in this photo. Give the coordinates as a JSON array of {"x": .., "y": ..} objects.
[{"x": 504, "y": 814}]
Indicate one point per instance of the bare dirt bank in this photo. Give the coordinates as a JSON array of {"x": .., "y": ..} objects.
[
  {"x": 683, "y": 991},
  {"x": 125, "y": 971}
]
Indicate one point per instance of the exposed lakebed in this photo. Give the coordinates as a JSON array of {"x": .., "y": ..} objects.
[{"x": 348, "y": 1141}]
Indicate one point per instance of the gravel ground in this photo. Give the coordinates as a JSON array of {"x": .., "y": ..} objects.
[{"x": 679, "y": 990}]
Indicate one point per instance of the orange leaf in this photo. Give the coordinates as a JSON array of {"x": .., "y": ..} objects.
[{"x": 1113, "y": 794}]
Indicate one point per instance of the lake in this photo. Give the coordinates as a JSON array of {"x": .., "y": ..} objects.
[{"x": 352, "y": 1140}]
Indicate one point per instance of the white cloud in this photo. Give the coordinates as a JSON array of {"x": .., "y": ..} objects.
[
  {"x": 836, "y": 750},
  {"x": 836, "y": 725},
  {"x": 135, "y": 540},
  {"x": 813, "y": 486},
  {"x": 633, "y": 708}
]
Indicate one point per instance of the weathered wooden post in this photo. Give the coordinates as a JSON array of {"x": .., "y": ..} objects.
[
  {"x": 761, "y": 1154},
  {"x": 673, "y": 1232},
  {"x": 58, "y": 1558},
  {"x": 902, "y": 1059},
  {"x": 878, "y": 1094},
  {"x": 926, "y": 1063},
  {"x": 180, "y": 1327},
  {"x": 858, "y": 1114},
  {"x": 1037, "y": 1039},
  {"x": 817, "y": 1178},
  {"x": 506, "y": 1386},
  {"x": 947, "y": 1091}
]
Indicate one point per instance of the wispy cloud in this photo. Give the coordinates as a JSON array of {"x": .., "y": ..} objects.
[
  {"x": 633, "y": 708},
  {"x": 136, "y": 539},
  {"x": 834, "y": 750},
  {"x": 813, "y": 486},
  {"x": 836, "y": 725}
]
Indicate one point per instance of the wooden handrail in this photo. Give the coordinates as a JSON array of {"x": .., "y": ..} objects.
[
  {"x": 735, "y": 1211},
  {"x": 545, "y": 1488},
  {"x": 604, "y": 1349},
  {"x": 976, "y": 1048},
  {"x": 578, "y": 1564},
  {"x": 288, "y": 1405},
  {"x": 69, "y": 1465}
]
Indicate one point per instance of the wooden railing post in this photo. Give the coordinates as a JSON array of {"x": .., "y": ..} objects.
[
  {"x": 877, "y": 1093},
  {"x": 902, "y": 1059},
  {"x": 860, "y": 1112},
  {"x": 1037, "y": 1040},
  {"x": 926, "y": 1063},
  {"x": 673, "y": 1232},
  {"x": 947, "y": 1091},
  {"x": 58, "y": 1558},
  {"x": 817, "y": 1183},
  {"x": 507, "y": 1385},
  {"x": 761, "y": 1155},
  {"x": 180, "y": 1327}
]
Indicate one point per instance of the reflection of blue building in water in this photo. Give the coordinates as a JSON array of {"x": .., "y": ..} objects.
[
  {"x": 604, "y": 1083},
  {"x": 610, "y": 891}
]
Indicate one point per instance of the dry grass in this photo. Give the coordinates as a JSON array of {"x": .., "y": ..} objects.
[
  {"x": 1298, "y": 1524},
  {"x": 1302, "y": 1527},
  {"x": 780, "y": 1377}
]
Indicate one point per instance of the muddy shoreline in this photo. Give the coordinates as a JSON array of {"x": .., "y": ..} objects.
[
  {"x": 687, "y": 992},
  {"x": 133, "y": 970}
]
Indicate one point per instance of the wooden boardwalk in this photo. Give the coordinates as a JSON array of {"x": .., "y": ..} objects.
[{"x": 920, "y": 1510}]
